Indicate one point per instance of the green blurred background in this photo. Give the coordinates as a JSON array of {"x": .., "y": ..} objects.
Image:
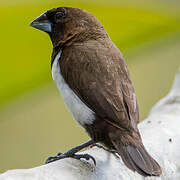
[{"x": 34, "y": 122}]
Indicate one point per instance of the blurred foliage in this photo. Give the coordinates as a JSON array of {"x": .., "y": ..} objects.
[{"x": 33, "y": 120}]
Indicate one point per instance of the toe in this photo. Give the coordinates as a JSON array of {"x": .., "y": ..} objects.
[
  {"x": 84, "y": 156},
  {"x": 51, "y": 159}
]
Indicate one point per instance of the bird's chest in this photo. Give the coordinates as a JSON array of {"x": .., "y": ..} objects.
[{"x": 81, "y": 113}]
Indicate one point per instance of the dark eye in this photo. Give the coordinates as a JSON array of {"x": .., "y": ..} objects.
[{"x": 59, "y": 15}]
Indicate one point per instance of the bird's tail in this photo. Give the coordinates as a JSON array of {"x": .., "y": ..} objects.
[{"x": 137, "y": 158}]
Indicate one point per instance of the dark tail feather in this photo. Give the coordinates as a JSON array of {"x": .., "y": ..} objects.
[{"x": 138, "y": 159}]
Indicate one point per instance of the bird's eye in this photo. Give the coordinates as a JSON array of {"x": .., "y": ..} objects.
[{"x": 59, "y": 16}]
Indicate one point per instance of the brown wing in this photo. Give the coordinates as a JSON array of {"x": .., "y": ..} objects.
[{"x": 99, "y": 76}]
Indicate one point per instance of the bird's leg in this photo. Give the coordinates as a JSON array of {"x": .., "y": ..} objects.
[
  {"x": 71, "y": 153},
  {"x": 106, "y": 149}
]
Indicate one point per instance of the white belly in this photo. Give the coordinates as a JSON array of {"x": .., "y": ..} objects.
[{"x": 81, "y": 113}]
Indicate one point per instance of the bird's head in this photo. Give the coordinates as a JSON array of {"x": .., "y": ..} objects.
[{"x": 66, "y": 25}]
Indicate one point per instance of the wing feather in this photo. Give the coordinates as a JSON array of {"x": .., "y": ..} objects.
[{"x": 101, "y": 80}]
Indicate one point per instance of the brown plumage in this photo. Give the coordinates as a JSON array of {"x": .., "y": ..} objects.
[{"x": 94, "y": 69}]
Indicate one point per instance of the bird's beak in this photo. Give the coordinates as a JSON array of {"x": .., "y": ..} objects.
[{"x": 42, "y": 23}]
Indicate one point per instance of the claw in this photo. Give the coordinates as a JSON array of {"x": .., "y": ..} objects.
[
  {"x": 85, "y": 156},
  {"x": 51, "y": 159}
]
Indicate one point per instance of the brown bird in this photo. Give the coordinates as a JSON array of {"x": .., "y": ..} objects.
[{"x": 94, "y": 82}]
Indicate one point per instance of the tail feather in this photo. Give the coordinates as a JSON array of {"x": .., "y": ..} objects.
[{"x": 137, "y": 159}]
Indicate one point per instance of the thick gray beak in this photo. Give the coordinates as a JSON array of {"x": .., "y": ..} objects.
[{"x": 42, "y": 23}]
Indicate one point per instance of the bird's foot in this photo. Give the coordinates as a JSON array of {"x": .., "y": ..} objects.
[
  {"x": 72, "y": 154},
  {"x": 66, "y": 155},
  {"x": 106, "y": 149}
]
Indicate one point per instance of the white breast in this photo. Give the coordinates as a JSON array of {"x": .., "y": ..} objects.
[{"x": 81, "y": 113}]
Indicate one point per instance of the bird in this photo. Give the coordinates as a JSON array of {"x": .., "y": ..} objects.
[{"x": 94, "y": 82}]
